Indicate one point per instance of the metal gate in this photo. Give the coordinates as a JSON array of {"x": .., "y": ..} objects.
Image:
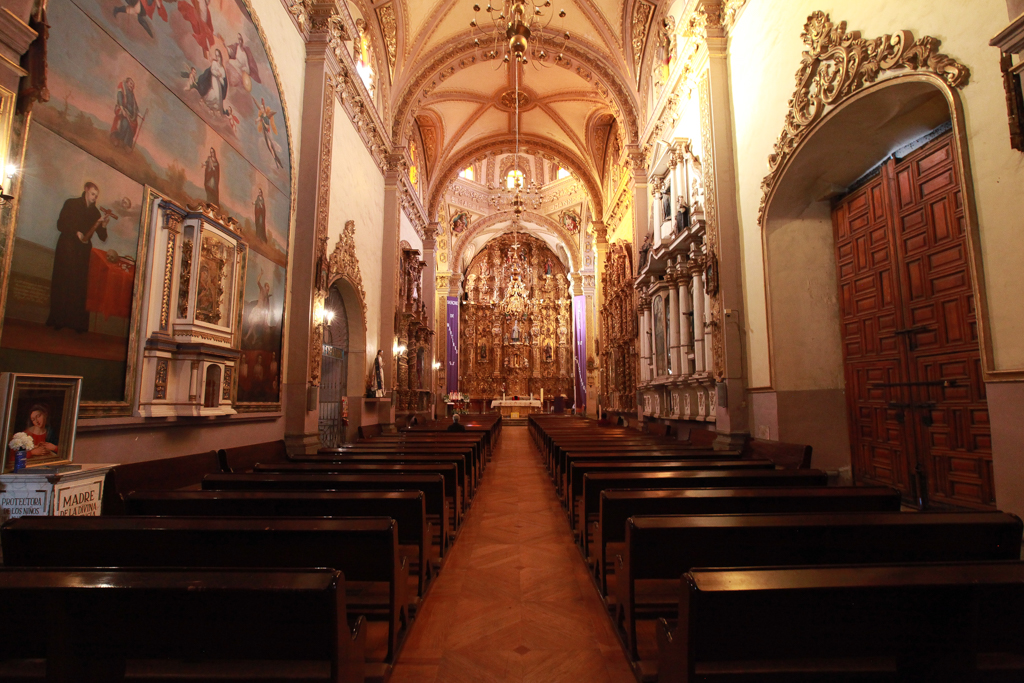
[{"x": 333, "y": 381}]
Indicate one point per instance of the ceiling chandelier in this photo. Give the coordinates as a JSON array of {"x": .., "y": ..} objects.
[{"x": 517, "y": 21}]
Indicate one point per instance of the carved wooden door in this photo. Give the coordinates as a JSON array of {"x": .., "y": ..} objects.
[{"x": 916, "y": 402}]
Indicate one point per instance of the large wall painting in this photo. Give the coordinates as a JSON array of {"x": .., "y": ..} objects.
[
  {"x": 73, "y": 269},
  {"x": 180, "y": 96}
]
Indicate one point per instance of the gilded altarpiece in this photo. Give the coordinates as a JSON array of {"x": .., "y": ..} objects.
[
  {"x": 516, "y": 327},
  {"x": 619, "y": 360},
  {"x": 415, "y": 336}
]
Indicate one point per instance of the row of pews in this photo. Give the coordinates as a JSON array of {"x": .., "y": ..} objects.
[
  {"x": 244, "y": 563},
  {"x": 720, "y": 565}
]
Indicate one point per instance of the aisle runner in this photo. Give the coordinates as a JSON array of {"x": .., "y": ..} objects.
[{"x": 514, "y": 602}]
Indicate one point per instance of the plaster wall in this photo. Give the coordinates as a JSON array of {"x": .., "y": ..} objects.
[
  {"x": 762, "y": 86},
  {"x": 357, "y": 194},
  {"x": 408, "y": 233}
]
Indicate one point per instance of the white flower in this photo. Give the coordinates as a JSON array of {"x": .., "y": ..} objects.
[{"x": 22, "y": 440}]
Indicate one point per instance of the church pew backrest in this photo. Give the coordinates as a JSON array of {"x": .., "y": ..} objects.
[
  {"x": 664, "y": 547},
  {"x": 364, "y": 549},
  {"x": 931, "y": 622},
  {"x": 407, "y": 508},
  {"x": 211, "y": 617},
  {"x": 162, "y": 474},
  {"x": 788, "y": 456},
  {"x": 618, "y": 505},
  {"x": 244, "y": 458}
]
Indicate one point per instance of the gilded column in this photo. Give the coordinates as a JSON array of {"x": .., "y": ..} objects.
[
  {"x": 673, "y": 317},
  {"x": 697, "y": 278}
]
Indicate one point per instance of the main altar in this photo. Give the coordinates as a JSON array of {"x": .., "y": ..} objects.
[{"x": 519, "y": 406}]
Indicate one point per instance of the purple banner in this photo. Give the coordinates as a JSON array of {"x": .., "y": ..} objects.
[
  {"x": 579, "y": 317},
  {"x": 452, "y": 357}
]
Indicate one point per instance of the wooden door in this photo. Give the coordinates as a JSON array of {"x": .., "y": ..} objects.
[{"x": 916, "y": 400}]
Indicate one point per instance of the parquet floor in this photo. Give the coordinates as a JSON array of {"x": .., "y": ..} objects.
[{"x": 514, "y": 601}]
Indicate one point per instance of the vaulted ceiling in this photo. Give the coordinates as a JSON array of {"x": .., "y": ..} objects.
[{"x": 448, "y": 90}]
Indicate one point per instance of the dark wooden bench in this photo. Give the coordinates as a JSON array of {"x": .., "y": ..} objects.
[
  {"x": 950, "y": 623},
  {"x": 618, "y": 505},
  {"x": 164, "y": 474},
  {"x": 407, "y": 508},
  {"x": 432, "y": 486},
  {"x": 365, "y": 549},
  {"x": 476, "y": 442},
  {"x": 789, "y": 456},
  {"x": 470, "y": 451},
  {"x": 94, "y": 626},
  {"x": 581, "y": 466},
  {"x": 596, "y": 482},
  {"x": 660, "y": 549},
  {"x": 461, "y": 457},
  {"x": 244, "y": 458},
  {"x": 448, "y": 470}
]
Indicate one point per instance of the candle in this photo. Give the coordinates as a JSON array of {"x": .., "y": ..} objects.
[{"x": 542, "y": 394}]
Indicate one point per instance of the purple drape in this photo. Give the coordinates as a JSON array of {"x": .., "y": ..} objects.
[
  {"x": 452, "y": 357},
  {"x": 579, "y": 317}
]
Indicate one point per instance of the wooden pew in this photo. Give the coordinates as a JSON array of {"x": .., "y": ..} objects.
[
  {"x": 365, "y": 549},
  {"x": 788, "y": 456},
  {"x": 433, "y": 442},
  {"x": 660, "y": 549},
  {"x": 244, "y": 458},
  {"x": 618, "y": 505},
  {"x": 94, "y": 625},
  {"x": 947, "y": 623},
  {"x": 461, "y": 457},
  {"x": 432, "y": 486},
  {"x": 568, "y": 452},
  {"x": 578, "y": 468},
  {"x": 469, "y": 450},
  {"x": 164, "y": 474},
  {"x": 448, "y": 471},
  {"x": 596, "y": 482},
  {"x": 566, "y": 480},
  {"x": 407, "y": 508}
]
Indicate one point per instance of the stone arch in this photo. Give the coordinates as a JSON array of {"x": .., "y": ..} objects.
[
  {"x": 344, "y": 276},
  {"x": 567, "y": 240},
  {"x": 459, "y": 52},
  {"x": 502, "y": 145},
  {"x": 804, "y": 344}
]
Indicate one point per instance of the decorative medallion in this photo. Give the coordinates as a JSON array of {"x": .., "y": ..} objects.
[
  {"x": 836, "y": 65},
  {"x": 570, "y": 220}
]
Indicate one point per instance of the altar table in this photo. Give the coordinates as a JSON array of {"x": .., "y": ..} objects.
[{"x": 523, "y": 406}]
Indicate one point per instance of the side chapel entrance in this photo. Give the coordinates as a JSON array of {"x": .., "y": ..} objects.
[
  {"x": 334, "y": 373},
  {"x": 918, "y": 414}
]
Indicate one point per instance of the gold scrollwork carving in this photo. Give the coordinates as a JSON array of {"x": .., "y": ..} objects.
[
  {"x": 185, "y": 279},
  {"x": 837, "y": 64}
]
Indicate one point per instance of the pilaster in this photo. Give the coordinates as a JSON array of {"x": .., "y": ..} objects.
[
  {"x": 389, "y": 270},
  {"x": 305, "y": 298}
]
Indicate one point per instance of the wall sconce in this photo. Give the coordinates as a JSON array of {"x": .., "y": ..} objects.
[{"x": 5, "y": 197}]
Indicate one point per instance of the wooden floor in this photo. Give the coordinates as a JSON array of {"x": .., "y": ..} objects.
[{"x": 514, "y": 601}]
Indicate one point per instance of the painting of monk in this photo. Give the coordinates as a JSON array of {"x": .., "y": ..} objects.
[{"x": 72, "y": 283}]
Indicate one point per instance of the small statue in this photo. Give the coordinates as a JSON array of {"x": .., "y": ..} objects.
[
  {"x": 645, "y": 250},
  {"x": 378, "y": 375}
]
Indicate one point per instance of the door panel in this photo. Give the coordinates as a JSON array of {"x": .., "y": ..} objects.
[{"x": 915, "y": 394}]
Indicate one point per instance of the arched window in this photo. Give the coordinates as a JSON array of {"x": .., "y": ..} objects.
[
  {"x": 514, "y": 178},
  {"x": 364, "y": 63},
  {"x": 467, "y": 173},
  {"x": 562, "y": 173}
]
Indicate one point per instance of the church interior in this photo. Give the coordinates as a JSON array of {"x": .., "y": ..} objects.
[{"x": 530, "y": 311}]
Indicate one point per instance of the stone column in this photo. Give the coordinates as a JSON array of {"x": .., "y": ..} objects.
[
  {"x": 302, "y": 366},
  {"x": 685, "y": 314},
  {"x": 656, "y": 197},
  {"x": 641, "y": 199},
  {"x": 429, "y": 298},
  {"x": 390, "y": 266},
  {"x": 725, "y": 242},
  {"x": 673, "y": 327},
  {"x": 645, "y": 339},
  {"x": 697, "y": 278}
]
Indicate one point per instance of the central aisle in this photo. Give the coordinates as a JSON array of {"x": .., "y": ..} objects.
[{"x": 514, "y": 601}]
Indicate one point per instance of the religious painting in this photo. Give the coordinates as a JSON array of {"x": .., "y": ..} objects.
[
  {"x": 215, "y": 259},
  {"x": 259, "y": 365},
  {"x": 43, "y": 407},
  {"x": 207, "y": 53},
  {"x": 659, "y": 336},
  {"x": 460, "y": 223},
  {"x": 74, "y": 270},
  {"x": 570, "y": 220}
]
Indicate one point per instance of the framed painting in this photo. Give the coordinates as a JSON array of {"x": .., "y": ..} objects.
[
  {"x": 45, "y": 407},
  {"x": 76, "y": 272}
]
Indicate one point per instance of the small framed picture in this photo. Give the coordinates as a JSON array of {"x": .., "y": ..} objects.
[{"x": 45, "y": 408}]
